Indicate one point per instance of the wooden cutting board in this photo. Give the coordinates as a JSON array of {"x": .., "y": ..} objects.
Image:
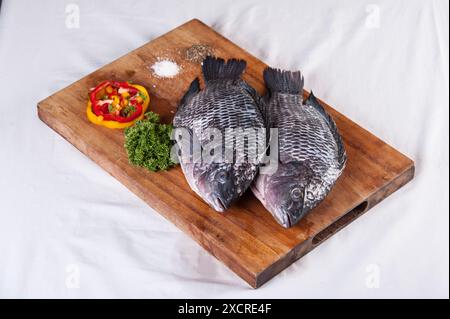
[{"x": 246, "y": 238}]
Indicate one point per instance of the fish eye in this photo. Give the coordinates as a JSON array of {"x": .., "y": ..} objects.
[
  {"x": 222, "y": 176},
  {"x": 296, "y": 194}
]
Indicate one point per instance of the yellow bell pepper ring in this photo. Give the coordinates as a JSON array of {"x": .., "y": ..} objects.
[{"x": 117, "y": 105}]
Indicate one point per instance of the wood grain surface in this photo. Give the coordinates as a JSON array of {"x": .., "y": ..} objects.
[{"x": 246, "y": 238}]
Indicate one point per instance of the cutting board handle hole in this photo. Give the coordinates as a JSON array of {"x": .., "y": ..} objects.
[{"x": 340, "y": 223}]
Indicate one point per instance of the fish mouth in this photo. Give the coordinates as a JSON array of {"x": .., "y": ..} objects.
[
  {"x": 290, "y": 222},
  {"x": 287, "y": 219},
  {"x": 219, "y": 203}
]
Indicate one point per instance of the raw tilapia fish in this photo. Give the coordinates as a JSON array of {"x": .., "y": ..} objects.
[
  {"x": 227, "y": 102},
  {"x": 311, "y": 154}
]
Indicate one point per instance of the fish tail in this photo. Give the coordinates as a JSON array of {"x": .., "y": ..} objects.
[
  {"x": 283, "y": 81},
  {"x": 216, "y": 68}
]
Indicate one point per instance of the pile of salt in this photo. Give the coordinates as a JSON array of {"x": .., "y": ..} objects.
[{"x": 165, "y": 69}]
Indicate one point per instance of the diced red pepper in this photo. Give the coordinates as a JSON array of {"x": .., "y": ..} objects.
[{"x": 103, "y": 109}]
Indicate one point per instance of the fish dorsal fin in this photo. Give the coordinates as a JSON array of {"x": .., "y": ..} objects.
[
  {"x": 252, "y": 92},
  {"x": 282, "y": 81},
  {"x": 216, "y": 68},
  {"x": 341, "y": 154},
  {"x": 194, "y": 88}
]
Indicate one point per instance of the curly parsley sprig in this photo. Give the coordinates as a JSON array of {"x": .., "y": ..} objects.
[{"x": 148, "y": 143}]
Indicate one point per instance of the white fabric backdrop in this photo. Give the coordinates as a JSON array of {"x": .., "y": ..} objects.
[{"x": 382, "y": 63}]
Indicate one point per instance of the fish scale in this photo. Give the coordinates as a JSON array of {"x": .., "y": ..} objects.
[
  {"x": 302, "y": 131},
  {"x": 221, "y": 105},
  {"x": 226, "y": 103},
  {"x": 311, "y": 155}
]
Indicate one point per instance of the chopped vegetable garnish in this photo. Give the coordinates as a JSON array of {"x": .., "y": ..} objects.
[{"x": 117, "y": 104}]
